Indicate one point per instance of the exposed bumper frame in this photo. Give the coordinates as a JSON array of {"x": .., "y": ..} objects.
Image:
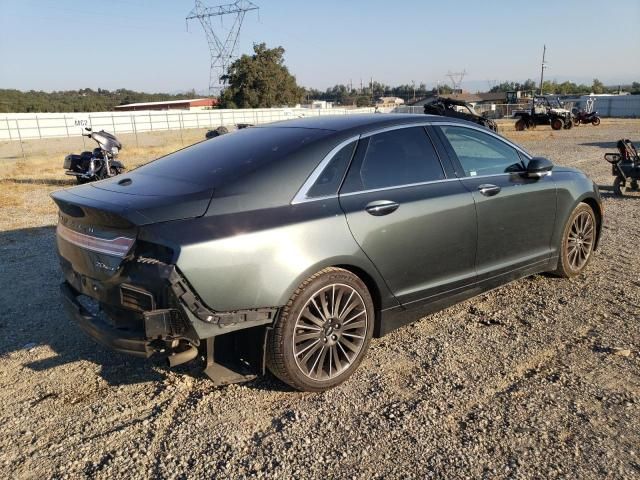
[{"x": 122, "y": 341}]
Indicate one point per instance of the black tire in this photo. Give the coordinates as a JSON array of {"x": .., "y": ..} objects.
[
  {"x": 577, "y": 242},
  {"x": 81, "y": 181},
  {"x": 619, "y": 186},
  {"x": 576, "y": 122},
  {"x": 557, "y": 123},
  {"x": 291, "y": 353},
  {"x": 520, "y": 125},
  {"x": 568, "y": 125},
  {"x": 596, "y": 121}
]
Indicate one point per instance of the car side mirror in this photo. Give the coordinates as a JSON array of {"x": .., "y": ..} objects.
[{"x": 538, "y": 167}]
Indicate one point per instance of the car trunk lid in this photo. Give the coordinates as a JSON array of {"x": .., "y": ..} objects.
[{"x": 98, "y": 223}]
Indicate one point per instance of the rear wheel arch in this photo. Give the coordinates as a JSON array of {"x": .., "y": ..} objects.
[{"x": 374, "y": 291}]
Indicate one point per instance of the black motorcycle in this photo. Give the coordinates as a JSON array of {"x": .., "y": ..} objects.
[
  {"x": 582, "y": 117},
  {"x": 100, "y": 163}
]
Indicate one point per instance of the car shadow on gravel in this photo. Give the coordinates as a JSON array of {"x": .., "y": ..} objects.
[
  {"x": 32, "y": 317},
  {"x": 608, "y": 145}
]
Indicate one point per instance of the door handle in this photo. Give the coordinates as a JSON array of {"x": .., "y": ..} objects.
[
  {"x": 381, "y": 207},
  {"x": 489, "y": 190}
]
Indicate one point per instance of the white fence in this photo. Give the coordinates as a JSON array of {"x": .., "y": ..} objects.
[{"x": 23, "y": 126}]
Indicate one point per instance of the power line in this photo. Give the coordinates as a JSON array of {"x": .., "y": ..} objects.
[{"x": 456, "y": 78}]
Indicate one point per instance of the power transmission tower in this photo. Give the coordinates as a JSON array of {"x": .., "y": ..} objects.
[
  {"x": 222, "y": 45},
  {"x": 456, "y": 79}
]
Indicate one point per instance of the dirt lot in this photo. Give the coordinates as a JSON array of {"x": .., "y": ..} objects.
[{"x": 539, "y": 379}]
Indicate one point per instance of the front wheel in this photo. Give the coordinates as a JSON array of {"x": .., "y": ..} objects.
[
  {"x": 618, "y": 186},
  {"x": 557, "y": 123},
  {"x": 323, "y": 332},
  {"x": 576, "y": 122},
  {"x": 578, "y": 240},
  {"x": 520, "y": 125},
  {"x": 596, "y": 121}
]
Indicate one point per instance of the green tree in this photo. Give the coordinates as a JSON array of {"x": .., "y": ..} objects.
[
  {"x": 261, "y": 80},
  {"x": 597, "y": 86}
]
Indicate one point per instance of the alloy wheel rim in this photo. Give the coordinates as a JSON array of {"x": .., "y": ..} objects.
[
  {"x": 580, "y": 240},
  {"x": 330, "y": 332}
]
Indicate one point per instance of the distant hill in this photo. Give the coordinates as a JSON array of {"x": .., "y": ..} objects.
[{"x": 84, "y": 100}]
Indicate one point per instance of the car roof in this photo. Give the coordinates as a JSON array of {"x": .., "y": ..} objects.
[{"x": 363, "y": 122}]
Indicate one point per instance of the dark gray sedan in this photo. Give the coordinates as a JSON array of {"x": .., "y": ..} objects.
[{"x": 288, "y": 246}]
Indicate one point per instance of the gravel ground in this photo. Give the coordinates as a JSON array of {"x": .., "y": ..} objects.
[{"x": 538, "y": 379}]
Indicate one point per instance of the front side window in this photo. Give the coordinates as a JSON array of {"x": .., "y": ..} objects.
[
  {"x": 394, "y": 158},
  {"x": 480, "y": 153},
  {"x": 329, "y": 180}
]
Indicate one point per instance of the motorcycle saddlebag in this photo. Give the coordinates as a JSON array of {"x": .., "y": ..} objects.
[{"x": 77, "y": 162}]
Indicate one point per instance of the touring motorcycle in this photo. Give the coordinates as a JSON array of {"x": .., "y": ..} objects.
[{"x": 98, "y": 164}]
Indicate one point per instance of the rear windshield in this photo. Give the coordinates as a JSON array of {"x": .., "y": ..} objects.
[{"x": 231, "y": 155}]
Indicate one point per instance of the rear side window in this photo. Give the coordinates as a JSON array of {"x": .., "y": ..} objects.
[
  {"x": 394, "y": 158},
  {"x": 329, "y": 180},
  {"x": 480, "y": 153}
]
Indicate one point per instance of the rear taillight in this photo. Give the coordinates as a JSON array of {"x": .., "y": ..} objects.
[{"x": 117, "y": 247}]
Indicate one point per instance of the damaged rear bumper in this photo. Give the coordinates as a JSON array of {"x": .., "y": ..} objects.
[
  {"x": 120, "y": 340},
  {"x": 148, "y": 307}
]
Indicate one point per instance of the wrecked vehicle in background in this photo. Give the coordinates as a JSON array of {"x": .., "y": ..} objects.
[
  {"x": 222, "y": 129},
  {"x": 448, "y": 107}
]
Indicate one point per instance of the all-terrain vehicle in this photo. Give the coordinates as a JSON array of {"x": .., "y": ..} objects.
[
  {"x": 545, "y": 111},
  {"x": 625, "y": 166},
  {"x": 449, "y": 107}
]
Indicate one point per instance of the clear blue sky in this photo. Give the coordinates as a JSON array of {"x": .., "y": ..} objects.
[{"x": 144, "y": 45}]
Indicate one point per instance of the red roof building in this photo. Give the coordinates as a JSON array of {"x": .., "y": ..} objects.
[{"x": 193, "y": 104}]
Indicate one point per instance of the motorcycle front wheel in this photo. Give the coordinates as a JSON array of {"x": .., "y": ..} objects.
[{"x": 596, "y": 121}]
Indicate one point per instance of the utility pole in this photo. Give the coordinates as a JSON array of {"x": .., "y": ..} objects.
[
  {"x": 222, "y": 49},
  {"x": 543, "y": 66}
]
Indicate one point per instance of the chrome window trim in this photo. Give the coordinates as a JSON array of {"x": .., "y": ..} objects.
[
  {"x": 301, "y": 194},
  {"x": 394, "y": 187}
]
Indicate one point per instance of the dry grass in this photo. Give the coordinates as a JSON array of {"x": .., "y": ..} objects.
[{"x": 25, "y": 184}]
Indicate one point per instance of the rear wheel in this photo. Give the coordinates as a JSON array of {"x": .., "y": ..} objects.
[
  {"x": 576, "y": 122},
  {"x": 577, "y": 242},
  {"x": 323, "y": 332},
  {"x": 596, "y": 121},
  {"x": 569, "y": 124},
  {"x": 620, "y": 187},
  {"x": 557, "y": 123}
]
